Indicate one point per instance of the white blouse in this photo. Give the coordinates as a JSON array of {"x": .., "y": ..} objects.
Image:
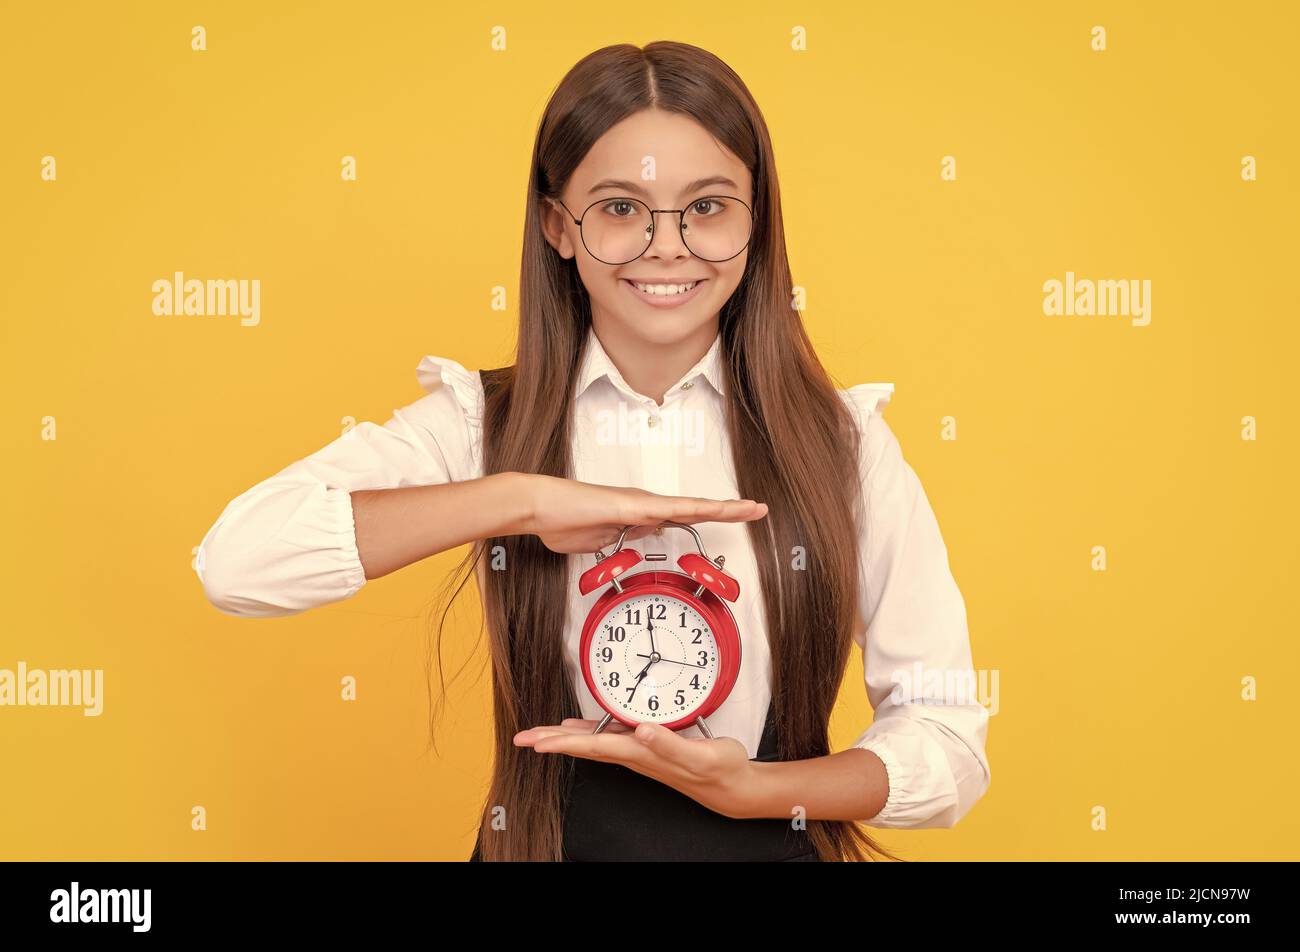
[{"x": 288, "y": 544}]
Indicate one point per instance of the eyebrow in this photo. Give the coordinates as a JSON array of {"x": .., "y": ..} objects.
[{"x": 626, "y": 186}]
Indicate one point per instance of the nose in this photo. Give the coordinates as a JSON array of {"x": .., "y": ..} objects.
[{"x": 667, "y": 240}]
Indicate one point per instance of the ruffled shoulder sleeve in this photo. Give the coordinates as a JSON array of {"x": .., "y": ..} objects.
[
  {"x": 867, "y": 398},
  {"x": 865, "y": 402},
  {"x": 435, "y": 373}
]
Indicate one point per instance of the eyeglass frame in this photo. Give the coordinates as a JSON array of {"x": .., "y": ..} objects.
[{"x": 681, "y": 224}]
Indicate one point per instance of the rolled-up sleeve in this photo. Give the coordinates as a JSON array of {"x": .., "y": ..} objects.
[
  {"x": 288, "y": 543},
  {"x": 930, "y": 726}
]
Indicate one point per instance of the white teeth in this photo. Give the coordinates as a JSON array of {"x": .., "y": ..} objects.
[{"x": 664, "y": 289}]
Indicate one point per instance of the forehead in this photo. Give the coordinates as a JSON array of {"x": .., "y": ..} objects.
[{"x": 661, "y": 152}]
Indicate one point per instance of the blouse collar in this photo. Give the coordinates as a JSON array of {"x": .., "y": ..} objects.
[{"x": 596, "y": 364}]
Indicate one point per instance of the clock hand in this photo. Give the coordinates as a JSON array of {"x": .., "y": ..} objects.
[
  {"x": 650, "y": 624},
  {"x": 684, "y": 664},
  {"x": 632, "y": 693}
]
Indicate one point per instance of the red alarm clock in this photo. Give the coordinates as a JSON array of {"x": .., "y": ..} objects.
[{"x": 660, "y": 647}]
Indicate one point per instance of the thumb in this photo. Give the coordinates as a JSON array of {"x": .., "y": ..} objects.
[
  {"x": 646, "y": 733},
  {"x": 667, "y": 743}
]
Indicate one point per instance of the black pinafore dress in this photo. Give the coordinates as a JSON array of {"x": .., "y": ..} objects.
[{"x": 612, "y": 813}]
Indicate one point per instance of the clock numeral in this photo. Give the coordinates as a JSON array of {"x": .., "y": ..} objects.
[
  {"x": 695, "y": 682},
  {"x": 681, "y": 696},
  {"x": 704, "y": 658},
  {"x": 660, "y": 615},
  {"x": 696, "y": 640},
  {"x": 613, "y": 679},
  {"x": 606, "y": 654},
  {"x": 682, "y": 624},
  {"x": 653, "y": 703},
  {"x": 634, "y": 617},
  {"x": 618, "y": 634}
]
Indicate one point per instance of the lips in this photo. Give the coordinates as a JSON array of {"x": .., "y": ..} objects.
[
  {"x": 664, "y": 280},
  {"x": 663, "y": 300}
]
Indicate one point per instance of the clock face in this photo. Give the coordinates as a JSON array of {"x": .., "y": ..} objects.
[{"x": 653, "y": 658}]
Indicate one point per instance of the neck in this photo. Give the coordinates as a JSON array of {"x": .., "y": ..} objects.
[{"x": 650, "y": 368}]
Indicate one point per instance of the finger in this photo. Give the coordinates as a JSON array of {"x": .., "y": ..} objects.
[
  {"x": 724, "y": 510},
  {"x": 609, "y": 748},
  {"x": 690, "y": 509},
  {"x": 528, "y": 737},
  {"x": 590, "y": 725},
  {"x": 570, "y": 725}
]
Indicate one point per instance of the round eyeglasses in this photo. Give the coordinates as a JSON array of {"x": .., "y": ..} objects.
[{"x": 618, "y": 230}]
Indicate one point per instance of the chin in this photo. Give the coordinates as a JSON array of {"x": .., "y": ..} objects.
[{"x": 663, "y": 329}]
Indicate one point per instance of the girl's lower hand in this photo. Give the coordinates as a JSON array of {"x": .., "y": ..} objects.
[
  {"x": 571, "y": 516},
  {"x": 714, "y": 772}
]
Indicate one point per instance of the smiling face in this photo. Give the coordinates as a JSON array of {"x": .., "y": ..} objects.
[{"x": 688, "y": 165}]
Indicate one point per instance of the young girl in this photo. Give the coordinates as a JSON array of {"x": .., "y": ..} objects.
[{"x": 661, "y": 373}]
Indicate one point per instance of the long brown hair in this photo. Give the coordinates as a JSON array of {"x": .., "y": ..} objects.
[{"x": 794, "y": 443}]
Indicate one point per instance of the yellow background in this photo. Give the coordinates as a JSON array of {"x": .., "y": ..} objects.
[{"x": 1118, "y": 689}]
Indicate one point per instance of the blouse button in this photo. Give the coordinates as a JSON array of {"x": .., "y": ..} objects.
[
  {"x": 687, "y": 385},
  {"x": 653, "y": 421}
]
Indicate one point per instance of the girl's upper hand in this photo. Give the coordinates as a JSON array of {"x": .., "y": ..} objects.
[{"x": 571, "y": 516}]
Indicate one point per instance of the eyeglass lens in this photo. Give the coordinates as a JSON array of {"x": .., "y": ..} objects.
[{"x": 618, "y": 230}]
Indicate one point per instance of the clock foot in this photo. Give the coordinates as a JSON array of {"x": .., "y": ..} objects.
[
  {"x": 704, "y": 728},
  {"x": 603, "y": 723}
]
